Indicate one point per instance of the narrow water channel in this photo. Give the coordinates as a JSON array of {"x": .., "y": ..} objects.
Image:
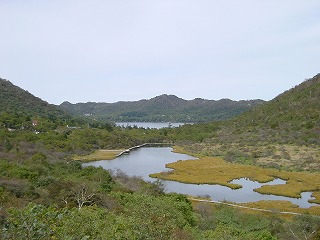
[{"x": 144, "y": 161}]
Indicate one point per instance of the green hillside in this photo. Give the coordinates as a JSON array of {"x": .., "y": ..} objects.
[
  {"x": 168, "y": 108},
  {"x": 291, "y": 117},
  {"x": 15, "y": 100},
  {"x": 282, "y": 133}
]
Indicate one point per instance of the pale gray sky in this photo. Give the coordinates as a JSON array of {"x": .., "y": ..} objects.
[{"x": 112, "y": 50}]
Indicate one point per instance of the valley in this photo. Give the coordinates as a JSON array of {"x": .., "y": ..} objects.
[{"x": 42, "y": 149}]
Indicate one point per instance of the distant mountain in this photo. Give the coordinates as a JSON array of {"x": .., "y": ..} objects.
[
  {"x": 14, "y": 100},
  {"x": 165, "y": 107}
]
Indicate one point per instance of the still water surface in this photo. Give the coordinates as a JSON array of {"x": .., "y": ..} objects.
[{"x": 147, "y": 160}]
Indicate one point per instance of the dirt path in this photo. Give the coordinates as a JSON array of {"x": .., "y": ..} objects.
[{"x": 244, "y": 207}]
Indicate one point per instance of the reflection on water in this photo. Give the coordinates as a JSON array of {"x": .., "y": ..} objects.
[
  {"x": 242, "y": 195},
  {"x": 144, "y": 161}
]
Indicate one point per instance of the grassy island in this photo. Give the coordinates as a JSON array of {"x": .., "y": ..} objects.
[{"x": 213, "y": 170}]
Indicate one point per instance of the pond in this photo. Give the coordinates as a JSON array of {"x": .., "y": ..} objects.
[{"x": 144, "y": 161}]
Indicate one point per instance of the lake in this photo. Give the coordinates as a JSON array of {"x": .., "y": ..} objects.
[
  {"x": 156, "y": 125},
  {"x": 144, "y": 161}
]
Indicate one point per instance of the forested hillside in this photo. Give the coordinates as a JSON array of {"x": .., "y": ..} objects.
[
  {"x": 18, "y": 101},
  {"x": 284, "y": 132},
  {"x": 293, "y": 115},
  {"x": 167, "y": 108}
]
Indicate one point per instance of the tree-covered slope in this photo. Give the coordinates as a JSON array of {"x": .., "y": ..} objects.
[
  {"x": 293, "y": 115},
  {"x": 15, "y": 100},
  {"x": 282, "y": 133},
  {"x": 162, "y": 108}
]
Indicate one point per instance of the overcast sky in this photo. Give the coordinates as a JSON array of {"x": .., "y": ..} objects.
[{"x": 112, "y": 50}]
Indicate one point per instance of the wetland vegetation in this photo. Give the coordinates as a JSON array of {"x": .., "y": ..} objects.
[{"x": 45, "y": 193}]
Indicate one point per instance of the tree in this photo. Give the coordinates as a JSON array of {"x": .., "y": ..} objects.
[
  {"x": 303, "y": 227},
  {"x": 83, "y": 196}
]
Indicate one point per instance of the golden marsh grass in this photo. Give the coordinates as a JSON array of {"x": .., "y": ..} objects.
[
  {"x": 99, "y": 155},
  {"x": 214, "y": 170}
]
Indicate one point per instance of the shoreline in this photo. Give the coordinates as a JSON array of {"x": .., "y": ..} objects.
[{"x": 110, "y": 154}]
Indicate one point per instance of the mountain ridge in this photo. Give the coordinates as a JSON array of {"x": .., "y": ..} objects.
[
  {"x": 15, "y": 100},
  {"x": 162, "y": 108}
]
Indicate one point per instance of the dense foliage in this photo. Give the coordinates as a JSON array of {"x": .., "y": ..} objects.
[
  {"x": 46, "y": 195},
  {"x": 18, "y": 101},
  {"x": 164, "y": 108},
  {"x": 42, "y": 200},
  {"x": 282, "y": 133},
  {"x": 291, "y": 117}
]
